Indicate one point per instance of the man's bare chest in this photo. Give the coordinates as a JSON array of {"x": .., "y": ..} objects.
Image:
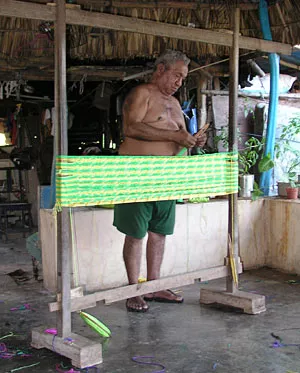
[{"x": 162, "y": 109}]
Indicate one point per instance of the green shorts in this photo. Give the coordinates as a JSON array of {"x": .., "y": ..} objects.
[{"x": 136, "y": 219}]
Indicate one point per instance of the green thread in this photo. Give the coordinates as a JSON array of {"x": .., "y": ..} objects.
[
  {"x": 11, "y": 334},
  {"x": 88, "y": 181},
  {"x": 23, "y": 367}
]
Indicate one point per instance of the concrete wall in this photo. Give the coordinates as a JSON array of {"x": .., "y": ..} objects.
[
  {"x": 268, "y": 236},
  {"x": 199, "y": 241},
  {"x": 283, "y": 241}
]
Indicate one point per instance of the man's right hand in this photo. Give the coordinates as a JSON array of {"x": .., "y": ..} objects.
[{"x": 183, "y": 138}]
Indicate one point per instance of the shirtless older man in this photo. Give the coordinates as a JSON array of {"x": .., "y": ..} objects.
[{"x": 153, "y": 125}]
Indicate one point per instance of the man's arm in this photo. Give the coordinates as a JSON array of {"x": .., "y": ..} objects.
[{"x": 134, "y": 111}]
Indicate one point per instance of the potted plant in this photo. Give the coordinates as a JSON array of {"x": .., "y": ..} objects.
[
  {"x": 248, "y": 157},
  {"x": 293, "y": 187},
  {"x": 287, "y": 155}
]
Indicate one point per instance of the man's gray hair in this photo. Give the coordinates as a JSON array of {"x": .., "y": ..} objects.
[{"x": 169, "y": 57}]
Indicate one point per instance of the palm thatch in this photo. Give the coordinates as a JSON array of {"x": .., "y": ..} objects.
[{"x": 22, "y": 43}]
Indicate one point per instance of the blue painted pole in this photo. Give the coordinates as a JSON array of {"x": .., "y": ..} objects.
[{"x": 266, "y": 177}]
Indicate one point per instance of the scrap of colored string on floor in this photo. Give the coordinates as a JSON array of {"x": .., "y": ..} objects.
[
  {"x": 5, "y": 353},
  {"x": 65, "y": 369},
  {"x": 139, "y": 360},
  {"x": 293, "y": 282},
  {"x": 279, "y": 343},
  {"x": 215, "y": 366},
  {"x": 11, "y": 334},
  {"x": 23, "y": 307},
  {"x": 23, "y": 367}
]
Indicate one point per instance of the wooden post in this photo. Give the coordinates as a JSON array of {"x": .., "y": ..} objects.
[
  {"x": 249, "y": 303},
  {"x": 61, "y": 142},
  {"x": 201, "y": 100},
  {"x": 83, "y": 352},
  {"x": 232, "y": 138}
]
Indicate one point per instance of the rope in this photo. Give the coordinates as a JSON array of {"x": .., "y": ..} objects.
[{"x": 92, "y": 180}]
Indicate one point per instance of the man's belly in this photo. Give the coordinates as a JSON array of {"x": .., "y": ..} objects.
[{"x": 136, "y": 147}]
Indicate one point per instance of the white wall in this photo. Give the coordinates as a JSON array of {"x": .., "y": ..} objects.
[
  {"x": 199, "y": 241},
  {"x": 268, "y": 236}
]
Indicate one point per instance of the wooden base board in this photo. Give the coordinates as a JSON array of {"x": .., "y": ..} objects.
[
  {"x": 124, "y": 292},
  {"x": 250, "y": 303},
  {"x": 82, "y": 351}
]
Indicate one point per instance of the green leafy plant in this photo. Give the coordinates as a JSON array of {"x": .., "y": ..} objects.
[
  {"x": 292, "y": 174},
  {"x": 286, "y": 153},
  {"x": 265, "y": 164},
  {"x": 257, "y": 192},
  {"x": 250, "y": 154}
]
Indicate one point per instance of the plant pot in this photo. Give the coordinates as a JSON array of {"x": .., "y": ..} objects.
[
  {"x": 282, "y": 188},
  {"x": 246, "y": 183},
  {"x": 292, "y": 193}
]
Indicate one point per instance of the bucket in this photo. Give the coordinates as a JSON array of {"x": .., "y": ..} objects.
[
  {"x": 246, "y": 185},
  {"x": 282, "y": 188}
]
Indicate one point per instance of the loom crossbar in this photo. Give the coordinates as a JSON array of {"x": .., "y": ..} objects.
[{"x": 113, "y": 295}]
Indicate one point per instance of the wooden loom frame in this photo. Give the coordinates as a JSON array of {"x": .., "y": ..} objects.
[{"x": 85, "y": 352}]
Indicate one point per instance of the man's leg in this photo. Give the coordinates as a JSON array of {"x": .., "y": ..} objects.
[
  {"x": 155, "y": 253},
  {"x": 132, "y": 254}
]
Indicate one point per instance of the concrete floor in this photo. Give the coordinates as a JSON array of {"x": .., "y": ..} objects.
[{"x": 183, "y": 338}]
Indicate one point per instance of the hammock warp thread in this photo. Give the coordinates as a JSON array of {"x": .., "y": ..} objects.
[{"x": 94, "y": 180}]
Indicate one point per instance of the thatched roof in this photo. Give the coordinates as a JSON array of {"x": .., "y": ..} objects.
[{"x": 24, "y": 44}]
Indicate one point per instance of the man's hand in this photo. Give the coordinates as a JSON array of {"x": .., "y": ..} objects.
[
  {"x": 183, "y": 138},
  {"x": 201, "y": 136},
  {"x": 201, "y": 140}
]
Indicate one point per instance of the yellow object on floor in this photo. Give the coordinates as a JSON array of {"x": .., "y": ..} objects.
[{"x": 142, "y": 279}]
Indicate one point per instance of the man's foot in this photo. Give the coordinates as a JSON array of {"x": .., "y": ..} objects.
[
  {"x": 164, "y": 296},
  {"x": 136, "y": 304}
]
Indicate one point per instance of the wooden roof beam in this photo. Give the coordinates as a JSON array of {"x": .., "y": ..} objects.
[
  {"x": 158, "y": 4},
  {"x": 11, "y": 8},
  {"x": 71, "y": 76}
]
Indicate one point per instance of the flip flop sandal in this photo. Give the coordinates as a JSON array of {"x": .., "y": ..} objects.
[
  {"x": 148, "y": 299},
  {"x": 165, "y": 300}
]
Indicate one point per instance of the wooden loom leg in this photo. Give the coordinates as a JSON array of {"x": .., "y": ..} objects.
[
  {"x": 82, "y": 351},
  {"x": 248, "y": 302}
]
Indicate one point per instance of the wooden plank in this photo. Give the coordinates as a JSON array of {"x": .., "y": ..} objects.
[
  {"x": 125, "y": 292},
  {"x": 82, "y": 351},
  {"x": 61, "y": 147},
  {"x": 201, "y": 100},
  {"x": 137, "y": 75},
  {"x": 48, "y": 235},
  {"x": 233, "y": 232},
  {"x": 169, "y": 4},
  {"x": 250, "y": 303},
  {"x": 99, "y": 75},
  {"x": 77, "y": 304},
  {"x": 149, "y": 4},
  {"x": 287, "y": 64},
  {"x": 130, "y": 24},
  {"x": 75, "y": 293},
  {"x": 216, "y": 92}
]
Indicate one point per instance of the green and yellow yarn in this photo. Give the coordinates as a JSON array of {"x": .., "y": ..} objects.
[{"x": 90, "y": 181}]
